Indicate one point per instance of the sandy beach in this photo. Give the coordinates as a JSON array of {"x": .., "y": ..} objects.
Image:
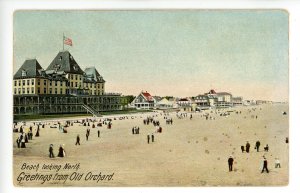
[{"x": 190, "y": 152}]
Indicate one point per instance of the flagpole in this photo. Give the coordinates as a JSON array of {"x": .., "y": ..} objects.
[{"x": 63, "y": 42}]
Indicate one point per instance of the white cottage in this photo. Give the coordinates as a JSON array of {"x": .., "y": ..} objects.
[{"x": 144, "y": 101}]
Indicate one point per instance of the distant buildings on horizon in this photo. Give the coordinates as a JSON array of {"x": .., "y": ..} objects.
[{"x": 209, "y": 100}]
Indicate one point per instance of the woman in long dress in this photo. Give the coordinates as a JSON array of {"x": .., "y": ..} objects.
[{"x": 61, "y": 152}]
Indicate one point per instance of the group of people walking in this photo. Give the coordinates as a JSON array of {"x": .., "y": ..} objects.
[
  {"x": 61, "y": 151},
  {"x": 257, "y": 145}
]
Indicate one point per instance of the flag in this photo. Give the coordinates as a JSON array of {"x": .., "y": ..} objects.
[{"x": 68, "y": 41}]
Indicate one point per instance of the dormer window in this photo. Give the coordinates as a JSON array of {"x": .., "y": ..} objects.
[
  {"x": 60, "y": 58},
  {"x": 24, "y": 73},
  {"x": 75, "y": 68}
]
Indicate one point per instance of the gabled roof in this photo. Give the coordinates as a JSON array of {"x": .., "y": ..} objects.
[
  {"x": 93, "y": 75},
  {"x": 147, "y": 96},
  {"x": 164, "y": 101},
  {"x": 65, "y": 62},
  {"x": 30, "y": 68},
  {"x": 212, "y": 91}
]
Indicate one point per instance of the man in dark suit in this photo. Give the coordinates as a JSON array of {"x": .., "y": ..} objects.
[{"x": 230, "y": 163}]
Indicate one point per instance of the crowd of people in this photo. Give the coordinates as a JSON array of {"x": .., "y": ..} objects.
[{"x": 89, "y": 124}]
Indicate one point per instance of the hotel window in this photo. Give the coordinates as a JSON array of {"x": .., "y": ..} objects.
[
  {"x": 61, "y": 83},
  {"x": 76, "y": 77},
  {"x": 75, "y": 84},
  {"x": 50, "y": 91},
  {"x": 71, "y": 84},
  {"x": 39, "y": 81},
  {"x": 23, "y": 90},
  {"x": 19, "y": 82},
  {"x": 39, "y": 90},
  {"x": 45, "y": 90},
  {"x": 55, "y": 83},
  {"x": 32, "y": 90},
  {"x": 61, "y": 91},
  {"x": 45, "y": 82},
  {"x": 55, "y": 90},
  {"x": 28, "y": 82},
  {"x": 19, "y": 91},
  {"x": 79, "y": 77},
  {"x": 71, "y": 76},
  {"x": 50, "y": 82},
  {"x": 15, "y": 91},
  {"x": 102, "y": 86},
  {"x": 23, "y": 81},
  {"x": 28, "y": 91},
  {"x": 15, "y": 83},
  {"x": 32, "y": 81}
]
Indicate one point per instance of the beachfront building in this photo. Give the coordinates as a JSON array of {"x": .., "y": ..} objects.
[
  {"x": 237, "y": 101},
  {"x": 164, "y": 104},
  {"x": 144, "y": 101},
  {"x": 62, "y": 88},
  {"x": 186, "y": 104},
  {"x": 212, "y": 99}
]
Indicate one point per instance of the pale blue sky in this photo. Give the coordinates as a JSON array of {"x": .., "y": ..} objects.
[{"x": 180, "y": 53}]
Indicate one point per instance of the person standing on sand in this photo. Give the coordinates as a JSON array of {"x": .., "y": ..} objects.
[
  {"x": 87, "y": 136},
  {"x": 277, "y": 163},
  {"x": 98, "y": 133},
  {"x": 37, "y": 134},
  {"x": 61, "y": 152},
  {"x": 152, "y": 137},
  {"x": 266, "y": 148},
  {"x": 23, "y": 142},
  {"x": 18, "y": 142},
  {"x": 77, "y": 140},
  {"x": 148, "y": 138},
  {"x": 51, "y": 155},
  {"x": 265, "y": 166},
  {"x": 243, "y": 148},
  {"x": 230, "y": 163},
  {"x": 257, "y": 144},
  {"x": 247, "y": 147}
]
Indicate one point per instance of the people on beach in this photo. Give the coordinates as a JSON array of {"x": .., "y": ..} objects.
[
  {"x": 51, "y": 155},
  {"x": 277, "y": 163},
  {"x": 243, "y": 148},
  {"x": 37, "y": 134},
  {"x": 230, "y": 163},
  {"x": 257, "y": 144},
  {"x": 265, "y": 165},
  {"x": 23, "y": 142},
  {"x": 266, "y": 148},
  {"x": 98, "y": 133},
  {"x": 247, "y": 147},
  {"x": 61, "y": 152},
  {"x": 77, "y": 140},
  {"x": 148, "y": 138},
  {"x": 18, "y": 142},
  {"x": 152, "y": 137}
]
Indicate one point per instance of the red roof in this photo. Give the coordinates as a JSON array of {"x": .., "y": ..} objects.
[
  {"x": 212, "y": 92},
  {"x": 147, "y": 96}
]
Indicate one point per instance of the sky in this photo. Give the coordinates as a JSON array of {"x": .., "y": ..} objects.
[{"x": 166, "y": 52}]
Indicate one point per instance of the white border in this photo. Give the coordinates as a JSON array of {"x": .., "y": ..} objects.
[{"x": 6, "y": 70}]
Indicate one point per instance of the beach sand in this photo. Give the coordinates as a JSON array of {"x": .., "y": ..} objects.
[{"x": 186, "y": 153}]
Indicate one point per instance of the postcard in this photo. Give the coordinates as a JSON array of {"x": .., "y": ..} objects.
[{"x": 150, "y": 98}]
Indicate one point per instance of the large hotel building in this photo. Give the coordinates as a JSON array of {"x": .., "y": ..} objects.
[{"x": 62, "y": 88}]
